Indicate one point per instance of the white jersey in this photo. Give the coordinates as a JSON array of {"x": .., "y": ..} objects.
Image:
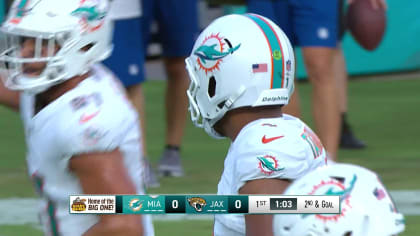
[
  {"x": 95, "y": 116},
  {"x": 283, "y": 148},
  {"x": 125, "y": 9}
]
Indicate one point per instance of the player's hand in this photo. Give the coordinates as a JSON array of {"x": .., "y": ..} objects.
[
  {"x": 9, "y": 98},
  {"x": 262, "y": 225},
  {"x": 376, "y": 4}
]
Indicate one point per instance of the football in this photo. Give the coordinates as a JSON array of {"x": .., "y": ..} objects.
[{"x": 366, "y": 24}]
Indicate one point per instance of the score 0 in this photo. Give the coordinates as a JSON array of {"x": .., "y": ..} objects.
[
  {"x": 175, "y": 204},
  {"x": 238, "y": 204}
]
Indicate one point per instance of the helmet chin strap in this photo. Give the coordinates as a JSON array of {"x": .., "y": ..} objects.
[
  {"x": 234, "y": 97},
  {"x": 209, "y": 126}
]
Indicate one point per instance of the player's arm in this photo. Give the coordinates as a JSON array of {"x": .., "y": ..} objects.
[
  {"x": 104, "y": 173},
  {"x": 262, "y": 225},
  {"x": 9, "y": 98},
  {"x": 376, "y": 4}
]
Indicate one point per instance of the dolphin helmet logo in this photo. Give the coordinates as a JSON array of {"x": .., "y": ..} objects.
[
  {"x": 212, "y": 51},
  {"x": 334, "y": 187},
  {"x": 91, "y": 13},
  {"x": 21, "y": 9}
]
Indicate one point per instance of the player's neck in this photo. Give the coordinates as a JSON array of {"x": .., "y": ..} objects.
[
  {"x": 234, "y": 121},
  {"x": 58, "y": 90}
]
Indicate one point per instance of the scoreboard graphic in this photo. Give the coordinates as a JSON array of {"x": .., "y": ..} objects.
[{"x": 204, "y": 204}]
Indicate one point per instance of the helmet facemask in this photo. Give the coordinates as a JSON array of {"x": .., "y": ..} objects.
[
  {"x": 77, "y": 35},
  {"x": 200, "y": 117},
  {"x": 196, "y": 117},
  {"x": 31, "y": 61}
]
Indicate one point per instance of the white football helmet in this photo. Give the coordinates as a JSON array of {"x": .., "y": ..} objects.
[
  {"x": 80, "y": 30},
  {"x": 238, "y": 61},
  {"x": 366, "y": 206}
]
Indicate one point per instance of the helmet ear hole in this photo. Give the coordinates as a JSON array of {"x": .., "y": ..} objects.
[
  {"x": 220, "y": 105},
  {"x": 87, "y": 47},
  {"x": 212, "y": 87}
]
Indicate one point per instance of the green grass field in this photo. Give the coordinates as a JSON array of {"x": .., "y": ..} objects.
[{"x": 383, "y": 113}]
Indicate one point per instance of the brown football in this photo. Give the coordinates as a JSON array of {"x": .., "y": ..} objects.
[{"x": 366, "y": 24}]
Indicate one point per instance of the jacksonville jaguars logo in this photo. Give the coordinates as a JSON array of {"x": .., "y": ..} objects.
[
  {"x": 268, "y": 164},
  {"x": 197, "y": 203},
  {"x": 212, "y": 51},
  {"x": 335, "y": 187},
  {"x": 92, "y": 14}
]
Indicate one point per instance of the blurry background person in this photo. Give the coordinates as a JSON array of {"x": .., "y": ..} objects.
[
  {"x": 127, "y": 62},
  {"x": 347, "y": 138},
  {"x": 313, "y": 26},
  {"x": 178, "y": 28},
  {"x": 317, "y": 27},
  {"x": 366, "y": 206}
]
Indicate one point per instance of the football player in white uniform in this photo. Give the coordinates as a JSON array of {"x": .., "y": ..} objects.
[
  {"x": 242, "y": 73},
  {"x": 366, "y": 206},
  {"x": 82, "y": 134}
]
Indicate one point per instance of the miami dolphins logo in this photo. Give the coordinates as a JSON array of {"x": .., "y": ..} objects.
[
  {"x": 268, "y": 164},
  {"x": 135, "y": 204},
  {"x": 335, "y": 187},
  {"x": 212, "y": 51},
  {"x": 21, "y": 9},
  {"x": 91, "y": 13}
]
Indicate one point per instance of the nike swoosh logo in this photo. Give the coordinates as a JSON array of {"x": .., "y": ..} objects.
[
  {"x": 85, "y": 118},
  {"x": 267, "y": 140}
]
